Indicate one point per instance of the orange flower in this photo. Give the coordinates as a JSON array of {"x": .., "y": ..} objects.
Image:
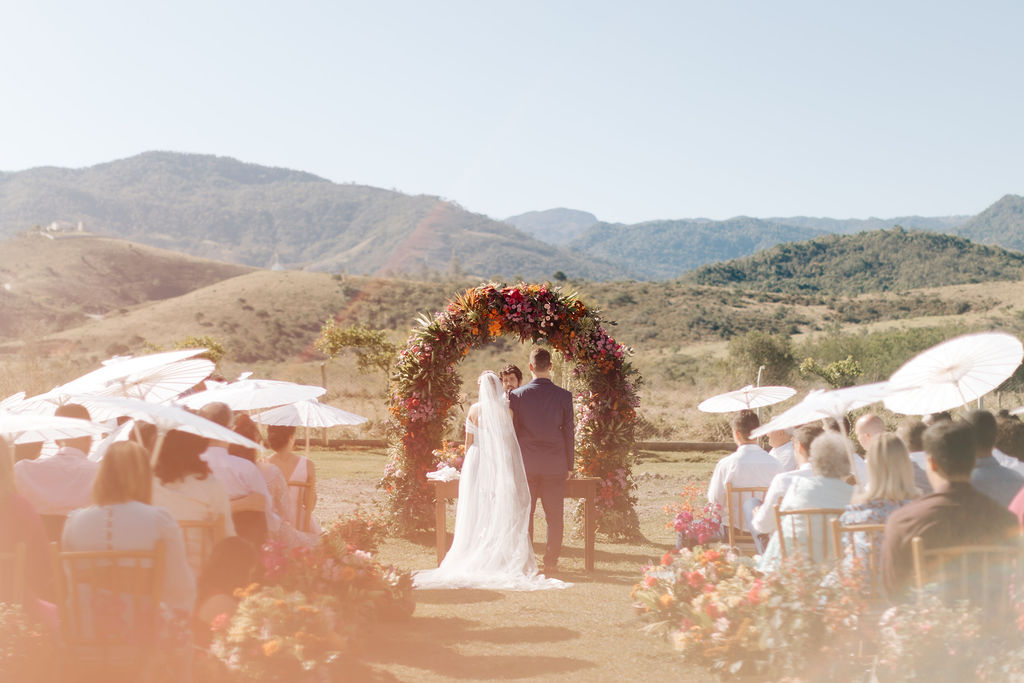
[
  {"x": 271, "y": 647},
  {"x": 666, "y": 599},
  {"x": 348, "y": 573}
]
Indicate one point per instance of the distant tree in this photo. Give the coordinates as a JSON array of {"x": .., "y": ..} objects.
[
  {"x": 214, "y": 348},
  {"x": 754, "y": 349},
  {"x": 559, "y": 276},
  {"x": 838, "y": 374},
  {"x": 372, "y": 348}
]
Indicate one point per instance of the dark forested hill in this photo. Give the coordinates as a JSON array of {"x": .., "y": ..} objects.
[
  {"x": 224, "y": 209},
  {"x": 947, "y": 224},
  {"x": 666, "y": 249},
  {"x": 874, "y": 261},
  {"x": 1002, "y": 224}
]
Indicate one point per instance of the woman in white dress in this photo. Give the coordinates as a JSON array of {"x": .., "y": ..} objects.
[
  {"x": 295, "y": 468},
  {"x": 491, "y": 548}
]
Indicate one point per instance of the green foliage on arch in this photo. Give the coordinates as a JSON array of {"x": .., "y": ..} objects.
[{"x": 424, "y": 389}]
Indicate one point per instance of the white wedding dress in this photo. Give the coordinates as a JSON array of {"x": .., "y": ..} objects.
[{"x": 491, "y": 547}]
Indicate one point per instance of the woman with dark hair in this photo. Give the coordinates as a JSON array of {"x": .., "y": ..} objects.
[
  {"x": 284, "y": 507},
  {"x": 185, "y": 487},
  {"x": 295, "y": 468}
]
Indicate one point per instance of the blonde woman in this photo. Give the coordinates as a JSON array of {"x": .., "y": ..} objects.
[{"x": 891, "y": 486}]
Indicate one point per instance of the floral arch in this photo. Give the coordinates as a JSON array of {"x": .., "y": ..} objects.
[{"x": 424, "y": 388}]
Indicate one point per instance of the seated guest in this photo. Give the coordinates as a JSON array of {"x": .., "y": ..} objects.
[
  {"x": 19, "y": 523},
  {"x": 251, "y": 506},
  {"x": 781, "y": 441},
  {"x": 892, "y": 487},
  {"x": 295, "y": 468},
  {"x": 284, "y": 508},
  {"x": 63, "y": 482},
  {"x": 749, "y": 465},
  {"x": 999, "y": 483},
  {"x": 764, "y": 515},
  {"x": 123, "y": 519},
  {"x": 232, "y": 565},
  {"x": 826, "y": 489},
  {"x": 27, "y": 451},
  {"x": 910, "y": 432},
  {"x": 186, "y": 487},
  {"x": 955, "y": 514},
  {"x": 858, "y": 468},
  {"x": 1009, "y": 442}
]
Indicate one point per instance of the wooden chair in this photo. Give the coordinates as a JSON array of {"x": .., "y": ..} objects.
[
  {"x": 735, "y": 496},
  {"x": 816, "y": 523},
  {"x": 200, "y": 536},
  {"x": 302, "y": 509},
  {"x": 986, "y": 575},
  {"x": 109, "y": 602},
  {"x": 12, "y": 575},
  {"x": 869, "y": 562}
]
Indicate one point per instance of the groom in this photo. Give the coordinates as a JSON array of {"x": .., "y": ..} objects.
[{"x": 543, "y": 417}]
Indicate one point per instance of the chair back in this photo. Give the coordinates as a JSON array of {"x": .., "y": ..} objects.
[
  {"x": 12, "y": 575},
  {"x": 807, "y": 532},
  {"x": 735, "y": 496},
  {"x": 301, "y": 490},
  {"x": 990, "y": 576},
  {"x": 859, "y": 548},
  {"x": 200, "y": 537},
  {"x": 109, "y": 601}
]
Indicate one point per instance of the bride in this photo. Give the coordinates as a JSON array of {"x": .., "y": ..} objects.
[{"x": 491, "y": 548}]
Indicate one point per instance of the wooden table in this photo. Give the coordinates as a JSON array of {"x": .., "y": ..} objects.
[{"x": 581, "y": 487}]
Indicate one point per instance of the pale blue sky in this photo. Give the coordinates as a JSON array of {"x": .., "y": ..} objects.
[{"x": 632, "y": 111}]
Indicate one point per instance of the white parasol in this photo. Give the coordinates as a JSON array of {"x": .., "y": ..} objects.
[
  {"x": 165, "y": 417},
  {"x": 254, "y": 394},
  {"x": 747, "y": 398},
  {"x": 954, "y": 373},
  {"x": 30, "y": 427},
  {"x": 311, "y": 413},
  {"x": 820, "y": 404}
]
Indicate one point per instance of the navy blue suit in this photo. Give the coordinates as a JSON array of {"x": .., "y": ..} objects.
[{"x": 543, "y": 417}]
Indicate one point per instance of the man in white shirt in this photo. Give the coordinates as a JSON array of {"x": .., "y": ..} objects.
[
  {"x": 62, "y": 482},
  {"x": 242, "y": 480},
  {"x": 781, "y": 441},
  {"x": 750, "y": 465},
  {"x": 763, "y": 520}
]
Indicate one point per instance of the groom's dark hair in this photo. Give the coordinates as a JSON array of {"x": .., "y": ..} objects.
[{"x": 540, "y": 359}]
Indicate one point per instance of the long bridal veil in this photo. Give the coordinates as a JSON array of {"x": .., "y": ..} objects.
[{"x": 491, "y": 546}]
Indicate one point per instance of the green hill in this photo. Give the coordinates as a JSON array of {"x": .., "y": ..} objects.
[
  {"x": 661, "y": 250},
  {"x": 220, "y": 208},
  {"x": 555, "y": 226},
  {"x": 876, "y": 261},
  {"x": 1002, "y": 224}
]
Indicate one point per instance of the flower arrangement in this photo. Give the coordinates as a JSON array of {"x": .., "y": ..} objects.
[
  {"x": 276, "y": 634},
  {"x": 424, "y": 388},
  {"x": 926, "y": 639},
  {"x": 27, "y": 651},
  {"x": 722, "y": 614},
  {"x": 450, "y": 454},
  {"x": 694, "y": 524},
  {"x": 360, "y": 529}
]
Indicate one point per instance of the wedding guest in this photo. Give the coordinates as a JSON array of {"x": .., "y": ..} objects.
[
  {"x": 825, "y": 489},
  {"x": 122, "y": 518},
  {"x": 21, "y": 524},
  {"x": 749, "y": 465},
  {"x": 955, "y": 514},
  {"x": 999, "y": 483},
  {"x": 935, "y": 418},
  {"x": 511, "y": 377},
  {"x": 1009, "y": 442},
  {"x": 63, "y": 482},
  {"x": 284, "y": 508},
  {"x": 251, "y": 506},
  {"x": 295, "y": 468},
  {"x": 763, "y": 519},
  {"x": 910, "y": 432},
  {"x": 781, "y": 441},
  {"x": 27, "y": 451},
  {"x": 891, "y": 487},
  {"x": 867, "y": 427},
  {"x": 233, "y": 564},
  {"x": 185, "y": 487}
]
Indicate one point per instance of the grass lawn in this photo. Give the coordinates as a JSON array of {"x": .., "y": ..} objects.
[{"x": 587, "y": 632}]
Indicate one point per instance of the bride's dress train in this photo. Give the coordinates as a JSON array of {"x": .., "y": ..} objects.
[{"x": 491, "y": 546}]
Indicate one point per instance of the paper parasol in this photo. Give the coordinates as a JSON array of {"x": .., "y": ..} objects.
[{"x": 747, "y": 398}]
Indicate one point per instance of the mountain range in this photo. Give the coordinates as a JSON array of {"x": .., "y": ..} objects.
[{"x": 223, "y": 209}]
